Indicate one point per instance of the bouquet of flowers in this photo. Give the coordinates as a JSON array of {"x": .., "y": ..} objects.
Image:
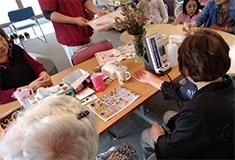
[
  {"x": 135, "y": 24},
  {"x": 133, "y": 21}
]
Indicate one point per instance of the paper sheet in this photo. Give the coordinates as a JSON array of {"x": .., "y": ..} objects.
[{"x": 106, "y": 21}]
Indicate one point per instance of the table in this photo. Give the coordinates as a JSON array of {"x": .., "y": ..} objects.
[
  {"x": 169, "y": 29},
  {"x": 144, "y": 90}
]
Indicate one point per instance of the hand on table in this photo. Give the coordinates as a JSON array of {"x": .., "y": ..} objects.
[
  {"x": 216, "y": 26},
  {"x": 143, "y": 76},
  {"x": 147, "y": 77},
  {"x": 44, "y": 80},
  {"x": 156, "y": 131}
]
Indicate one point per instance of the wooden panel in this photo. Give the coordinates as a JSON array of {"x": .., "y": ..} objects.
[{"x": 170, "y": 4}]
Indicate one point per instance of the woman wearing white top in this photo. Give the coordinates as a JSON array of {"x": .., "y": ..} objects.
[{"x": 154, "y": 10}]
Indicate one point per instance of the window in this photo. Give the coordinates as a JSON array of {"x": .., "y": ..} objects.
[
  {"x": 16, "y": 4},
  {"x": 34, "y": 4},
  {"x": 5, "y": 8}
]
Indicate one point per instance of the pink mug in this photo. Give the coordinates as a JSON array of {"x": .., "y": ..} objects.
[{"x": 98, "y": 82}]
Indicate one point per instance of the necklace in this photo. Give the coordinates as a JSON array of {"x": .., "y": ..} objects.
[{"x": 10, "y": 49}]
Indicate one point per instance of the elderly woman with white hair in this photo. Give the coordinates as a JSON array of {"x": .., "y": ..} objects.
[{"x": 57, "y": 128}]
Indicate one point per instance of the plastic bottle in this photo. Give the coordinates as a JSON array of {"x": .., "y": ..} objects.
[{"x": 172, "y": 49}]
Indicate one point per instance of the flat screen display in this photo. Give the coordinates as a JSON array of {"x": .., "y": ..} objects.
[{"x": 162, "y": 50}]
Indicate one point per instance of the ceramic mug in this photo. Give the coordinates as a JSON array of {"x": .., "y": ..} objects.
[{"x": 122, "y": 74}]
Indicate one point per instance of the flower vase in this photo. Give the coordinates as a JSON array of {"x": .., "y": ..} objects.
[{"x": 139, "y": 48}]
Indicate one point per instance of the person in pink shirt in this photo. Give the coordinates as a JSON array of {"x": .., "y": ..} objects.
[{"x": 190, "y": 11}]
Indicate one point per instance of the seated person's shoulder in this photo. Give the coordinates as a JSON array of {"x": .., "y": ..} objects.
[{"x": 180, "y": 14}]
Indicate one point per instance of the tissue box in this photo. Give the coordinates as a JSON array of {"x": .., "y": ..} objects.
[
  {"x": 62, "y": 88},
  {"x": 109, "y": 70}
]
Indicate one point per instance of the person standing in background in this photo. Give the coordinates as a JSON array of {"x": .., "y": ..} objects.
[
  {"x": 70, "y": 19},
  {"x": 190, "y": 11},
  {"x": 154, "y": 10}
]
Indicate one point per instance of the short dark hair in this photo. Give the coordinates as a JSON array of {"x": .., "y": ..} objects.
[
  {"x": 204, "y": 56},
  {"x": 185, "y": 3},
  {"x": 3, "y": 34}
]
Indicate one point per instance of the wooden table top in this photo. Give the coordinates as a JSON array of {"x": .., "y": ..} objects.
[
  {"x": 169, "y": 29},
  {"x": 144, "y": 90}
]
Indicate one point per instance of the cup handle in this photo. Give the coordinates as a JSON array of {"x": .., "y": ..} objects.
[{"x": 129, "y": 75}]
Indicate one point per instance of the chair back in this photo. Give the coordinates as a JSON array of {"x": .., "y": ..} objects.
[
  {"x": 21, "y": 14},
  {"x": 178, "y": 7},
  {"x": 89, "y": 51}
]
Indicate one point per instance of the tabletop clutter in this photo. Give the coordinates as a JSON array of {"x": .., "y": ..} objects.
[{"x": 84, "y": 84}]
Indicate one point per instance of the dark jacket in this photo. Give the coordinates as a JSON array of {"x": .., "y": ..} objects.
[{"x": 205, "y": 126}]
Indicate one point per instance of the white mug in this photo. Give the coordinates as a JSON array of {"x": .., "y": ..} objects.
[{"x": 122, "y": 74}]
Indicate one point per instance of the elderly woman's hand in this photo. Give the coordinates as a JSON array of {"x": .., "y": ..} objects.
[
  {"x": 44, "y": 80},
  {"x": 147, "y": 77},
  {"x": 143, "y": 76},
  {"x": 156, "y": 131},
  {"x": 45, "y": 76}
]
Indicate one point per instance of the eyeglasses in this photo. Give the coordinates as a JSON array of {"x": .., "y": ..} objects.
[{"x": 83, "y": 114}]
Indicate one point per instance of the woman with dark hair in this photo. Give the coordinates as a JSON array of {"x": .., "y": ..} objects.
[
  {"x": 18, "y": 70},
  {"x": 204, "y": 127},
  {"x": 190, "y": 11}
]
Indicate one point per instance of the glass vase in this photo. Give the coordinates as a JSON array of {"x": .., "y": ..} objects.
[{"x": 139, "y": 48}]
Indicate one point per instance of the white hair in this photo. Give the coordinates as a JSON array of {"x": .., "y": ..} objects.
[{"x": 51, "y": 130}]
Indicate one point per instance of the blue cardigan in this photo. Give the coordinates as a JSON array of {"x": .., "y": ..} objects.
[{"x": 209, "y": 14}]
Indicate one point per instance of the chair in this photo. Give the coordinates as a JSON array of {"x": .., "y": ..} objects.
[
  {"x": 21, "y": 19},
  {"x": 89, "y": 51},
  {"x": 178, "y": 7}
]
